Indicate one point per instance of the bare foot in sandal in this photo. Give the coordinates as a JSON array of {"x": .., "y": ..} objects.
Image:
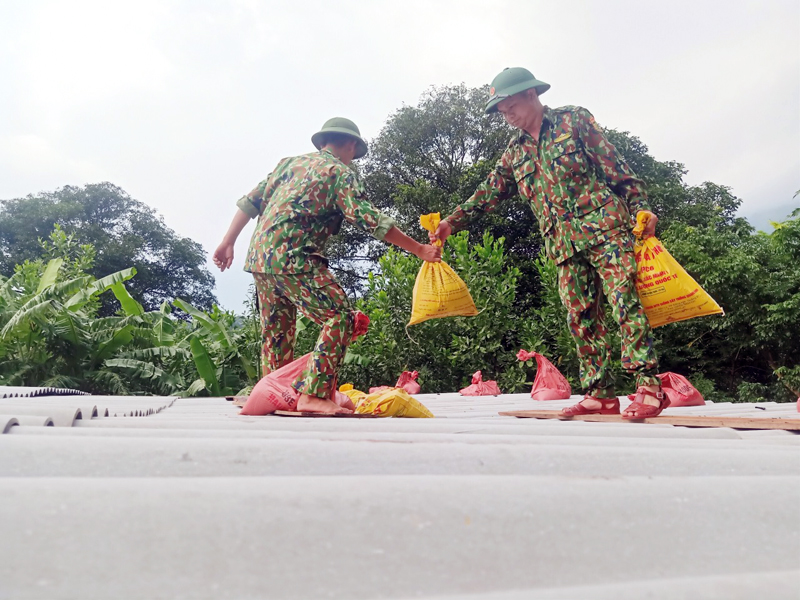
[
  {"x": 649, "y": 402},
  {"x": 313, "y": 404}
]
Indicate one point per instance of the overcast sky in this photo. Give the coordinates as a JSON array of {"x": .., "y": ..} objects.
[{"x": 187, "y": 105}]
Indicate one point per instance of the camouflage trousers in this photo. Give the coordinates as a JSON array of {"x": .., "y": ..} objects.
[
  {"x": 319, "y": 297},
  {"x": 607, "y": 270}
]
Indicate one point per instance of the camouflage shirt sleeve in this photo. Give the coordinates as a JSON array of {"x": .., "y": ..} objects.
[
  {"x": 620, "y": 177},
  {"x": 351, "y": 198},
  {"x": 499, "y": 185},
  {"x": 251, "y": 204}
]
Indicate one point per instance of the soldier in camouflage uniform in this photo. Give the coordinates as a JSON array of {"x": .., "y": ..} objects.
[
  {"x": 299, "y": 206},
  {"x": 585, "y": 198}
]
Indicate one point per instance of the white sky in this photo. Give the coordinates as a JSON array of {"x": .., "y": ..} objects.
[{"x": 188, "y": 104}]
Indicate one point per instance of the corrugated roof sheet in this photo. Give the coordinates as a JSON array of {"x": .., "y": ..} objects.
[{"x": 194, "y": 501}]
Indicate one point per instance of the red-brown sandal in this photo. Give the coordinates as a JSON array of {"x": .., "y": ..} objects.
[
  {"x": 647, "y": 411},
  {"x": 609, "y": 406}
]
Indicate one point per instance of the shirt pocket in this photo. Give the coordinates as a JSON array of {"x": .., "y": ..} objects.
[
  {"x": 568, "y": 160},
  {"x": 523, "y": 168}
]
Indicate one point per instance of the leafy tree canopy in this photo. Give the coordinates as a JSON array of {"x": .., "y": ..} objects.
[{"x": 123, "y": 232}]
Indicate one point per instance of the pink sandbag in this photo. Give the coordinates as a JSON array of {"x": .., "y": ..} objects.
[
  {"x": 549, "y": 384},
  {"x": 408, "y": 381},
  {"x": 679, "y": 391},
  {"x": 275, "y": 391},
  {"x": 480, "y": 387}
]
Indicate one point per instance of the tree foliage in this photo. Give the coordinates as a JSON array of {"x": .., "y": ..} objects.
[
  {"x": 72, "y": 312},
  {"x": 123, "y": 232},
  {"x": 51, "y": 333}
]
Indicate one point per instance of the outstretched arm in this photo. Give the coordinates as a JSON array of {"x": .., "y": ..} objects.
[
  {"x": 358, "y": 210},
  {"x": 401, "y": 240},
  {"x": 499, "y": 185}
]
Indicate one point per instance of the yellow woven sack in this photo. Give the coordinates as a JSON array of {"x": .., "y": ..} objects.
[
  {"x": 354, "y": 394},
  {"x": 394, "y": 402},
  {"x": 438, "y": 291},
  {"x": 668, "y": 293}
]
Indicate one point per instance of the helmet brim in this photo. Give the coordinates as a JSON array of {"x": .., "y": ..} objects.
[
  {"x": 361, "y": 146},
  {"x": 540, "y": 86}
]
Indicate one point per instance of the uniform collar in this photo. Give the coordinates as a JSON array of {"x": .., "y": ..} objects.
[{"x": 548, "y": 120}]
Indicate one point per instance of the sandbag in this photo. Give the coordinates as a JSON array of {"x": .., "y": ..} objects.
[
  {"x": 408, "y": 381},
  {"x": 275, "y": 392},
  {"x": 348, "y": 390},
  {"x": 439, "y": 291},
  {"x": 678, "y": 390},
  {"x": 667, "y": 292},
  {"x": 392, "y": 402},
  {"x": 549, "y": 383},
  {"x": 480, "y": 387}
]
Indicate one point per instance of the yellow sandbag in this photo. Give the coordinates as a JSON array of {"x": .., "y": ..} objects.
[
  {"x": 394, "y": 402},
  {"x": 354, "y": 395},
  {"x": 668, "y": 293},
  {"x": 438, "y": 291}
]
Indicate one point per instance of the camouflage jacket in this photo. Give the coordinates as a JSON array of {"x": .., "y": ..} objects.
[
  {"x": 299, "y": 206},
  {"x": 580, "y": 189}
]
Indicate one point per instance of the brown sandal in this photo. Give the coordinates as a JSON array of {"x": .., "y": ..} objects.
[
  {"x": 610, "y": 406},
  {"x": 647, "y": 411}
]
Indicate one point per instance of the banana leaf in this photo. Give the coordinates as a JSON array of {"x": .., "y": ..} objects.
[
  {"x": 129, "y": 306},
  {"x": 98, "y": 287},
  {"x": 50, "y": 274},
  {"x": 205, "y": 366},
  {"x": 145, "y": 370},
  {"x": 212, "y": 328},
  {"x": 120, "y": 338}
]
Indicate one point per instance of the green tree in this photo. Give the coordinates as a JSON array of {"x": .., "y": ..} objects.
[
  {"x": 428, "y": 158},
  {"x": 446, "y": 352},
  {"x": 123, "y": 232},
  {"x": 50, "y": 334},
  {"x": 753, "y": 352}
]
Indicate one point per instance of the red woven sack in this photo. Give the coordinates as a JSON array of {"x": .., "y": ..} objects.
[
  {"x": 408, "y": 381},
  {"x": 549, "y": 384},
  {"x": 679, "y": 391},
  {"x": 480, "y": 387},
  {"x": 275, "y": 391}
]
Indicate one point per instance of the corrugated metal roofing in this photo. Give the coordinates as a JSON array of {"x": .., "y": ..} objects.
[
  {"x": 8, "y": 391},
  {"x": 194, "y": 501}
]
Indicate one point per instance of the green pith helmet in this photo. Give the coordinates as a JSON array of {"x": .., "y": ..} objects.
[
  {"x": 512, "y": 81},
  {"x": 341, "y": 125}
]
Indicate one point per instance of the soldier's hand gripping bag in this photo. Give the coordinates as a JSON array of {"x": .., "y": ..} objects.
[
  {"x": 549, "y": 384},
  {"x": 439, "y": 291},
  {"x": 667, "y": 292}
]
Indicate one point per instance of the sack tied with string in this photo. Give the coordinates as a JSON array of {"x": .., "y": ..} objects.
[{"x": 439, "y": 291}]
